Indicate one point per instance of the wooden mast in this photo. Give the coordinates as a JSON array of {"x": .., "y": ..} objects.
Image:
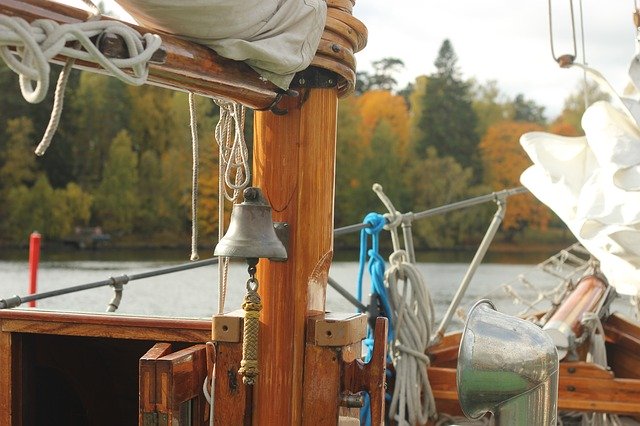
[{"x": 294, "y": 164}]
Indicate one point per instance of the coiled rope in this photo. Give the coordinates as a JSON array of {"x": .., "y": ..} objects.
[
  {"x": 413, "y": 315},
  {"x": 28, "y": 48}
]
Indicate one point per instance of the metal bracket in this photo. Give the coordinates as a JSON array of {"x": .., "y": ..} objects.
[
  {"x": 314, "y": 78},
  {"x": 282, "y": 232}
]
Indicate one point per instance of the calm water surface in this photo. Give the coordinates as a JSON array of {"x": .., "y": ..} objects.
[{"x": 194, "y": 293}]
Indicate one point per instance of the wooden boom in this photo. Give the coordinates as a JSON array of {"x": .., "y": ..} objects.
[{"x": 186, "y": 66}]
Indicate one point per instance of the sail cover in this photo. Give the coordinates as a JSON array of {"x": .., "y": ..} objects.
[
  {"x": 275, "y": 37},
  {"x": 593, "y": 182}
]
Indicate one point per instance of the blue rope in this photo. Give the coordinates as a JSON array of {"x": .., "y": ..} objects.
[{"x": 376, "y": 269}]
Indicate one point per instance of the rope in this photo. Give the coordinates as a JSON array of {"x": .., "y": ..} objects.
[
  {"x": 193, "y": 124},
  {"x": 376, "y": 266},
  {"x": 413, "y": 315},
  {"x": 234, "y": 159},
  {"x": 35, "y": 44},
  {"x": 252, "y": 306},
  {"x": 233, "y": 162}
]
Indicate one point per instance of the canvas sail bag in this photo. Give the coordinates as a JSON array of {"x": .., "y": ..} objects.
[{"x": 277, "y": 38}]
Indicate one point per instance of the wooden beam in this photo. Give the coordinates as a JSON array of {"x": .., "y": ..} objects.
[
  {"x": 105, "y": 325},
  {"x": 187, "y": 67},
  {"x": 294, "y": 162}
]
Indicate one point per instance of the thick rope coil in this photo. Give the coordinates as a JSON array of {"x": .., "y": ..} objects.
[
  {"x": 413, "y": 315},
  {"x": 252, "y": 306},
  {"x": 37, "y": 43}
]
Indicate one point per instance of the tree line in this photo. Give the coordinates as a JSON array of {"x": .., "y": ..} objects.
[{"x": 121, "y": 158}]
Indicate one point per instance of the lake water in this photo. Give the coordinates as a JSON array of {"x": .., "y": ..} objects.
[{"x": 194, "y": 293}]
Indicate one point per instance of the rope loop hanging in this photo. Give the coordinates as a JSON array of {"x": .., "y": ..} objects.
[{"x": 234, "y": 155}]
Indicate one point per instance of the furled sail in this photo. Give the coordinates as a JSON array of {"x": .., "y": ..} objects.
[
  {"x": 593, "y": 182},
  {"x": 275, "y": 37}
]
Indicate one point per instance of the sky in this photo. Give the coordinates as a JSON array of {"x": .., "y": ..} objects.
[{"x": 502, "y": 40}]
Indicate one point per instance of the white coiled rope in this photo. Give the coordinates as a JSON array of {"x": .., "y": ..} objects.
[
  {"x": 27, "y": 49},
  {"x": 413, "y": 321}
]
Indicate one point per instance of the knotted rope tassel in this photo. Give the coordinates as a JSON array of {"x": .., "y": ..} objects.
[{"x": 252, "y": 306}]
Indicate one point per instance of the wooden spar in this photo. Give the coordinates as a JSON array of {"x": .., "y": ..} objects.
[
  {"x": 294, "y": 162},
  {"x": 187, "y": 67}
]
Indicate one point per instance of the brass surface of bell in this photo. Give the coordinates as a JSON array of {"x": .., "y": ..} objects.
[{"x": 251, "y": 233}]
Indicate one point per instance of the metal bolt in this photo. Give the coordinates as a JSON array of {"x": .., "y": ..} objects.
[
  {"x": 571, "y": 388},
  {"x": 352, "y": 400},
  {"x": 571, "y": 370},
  {"x": 335, "y": 48},
  {"x": 251, "y": 194}
]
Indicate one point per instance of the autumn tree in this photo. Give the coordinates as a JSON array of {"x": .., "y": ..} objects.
[
  {"x": 504, "y": 161},
  {"x": 448, "y": 122}
]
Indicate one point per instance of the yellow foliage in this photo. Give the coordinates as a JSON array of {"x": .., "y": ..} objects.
[
  {"x": 504, "y": 161},
  {"x": 378, "y": 105}
]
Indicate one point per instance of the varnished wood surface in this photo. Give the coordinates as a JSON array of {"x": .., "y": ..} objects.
[
  {"x": 229, "y": 390},
  {"x": 105, "y": 325},
  {"x": 321, "y": 388},
  {"x": 10, "y": 379},
  {"x": 582, "y": 386},
  {"x": 294, "y": 164},
  {"x": 147, "y": 380}
]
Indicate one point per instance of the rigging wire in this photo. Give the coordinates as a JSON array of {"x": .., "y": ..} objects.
[{"x": 564, "y": 60}]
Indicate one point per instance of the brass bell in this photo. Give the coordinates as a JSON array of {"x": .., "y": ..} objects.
[{"x": 251, "y": 233}]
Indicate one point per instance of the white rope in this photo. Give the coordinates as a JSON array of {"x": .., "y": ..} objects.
[
  {"x": 193, "y": 124},
  {"x": 413, "y": 322},
  {"x": 234, "y": 159},
  {"x": 234, "y": 174},
  {"x": 210, "y": 395},
  {"x": 28, "y": 48}
]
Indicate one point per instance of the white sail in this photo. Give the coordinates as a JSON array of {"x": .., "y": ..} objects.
[{"x": 593, "y": 183}]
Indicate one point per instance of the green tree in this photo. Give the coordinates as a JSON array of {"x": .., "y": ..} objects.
[
  {"x": 382, "y": 77},
  {"x": 116, "y": 199},
  {"x": 448, "y": 122},
  {"x": 574, "y": 105},
  {"x": 527, "y": 110},
  {"x": 436, "y": 181},
  {"x": 352, "y": 190},
  {"x": 490, "y": 105},
  {"x": 17, "y": 160},
  {"x": 101, "y": 107}
]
